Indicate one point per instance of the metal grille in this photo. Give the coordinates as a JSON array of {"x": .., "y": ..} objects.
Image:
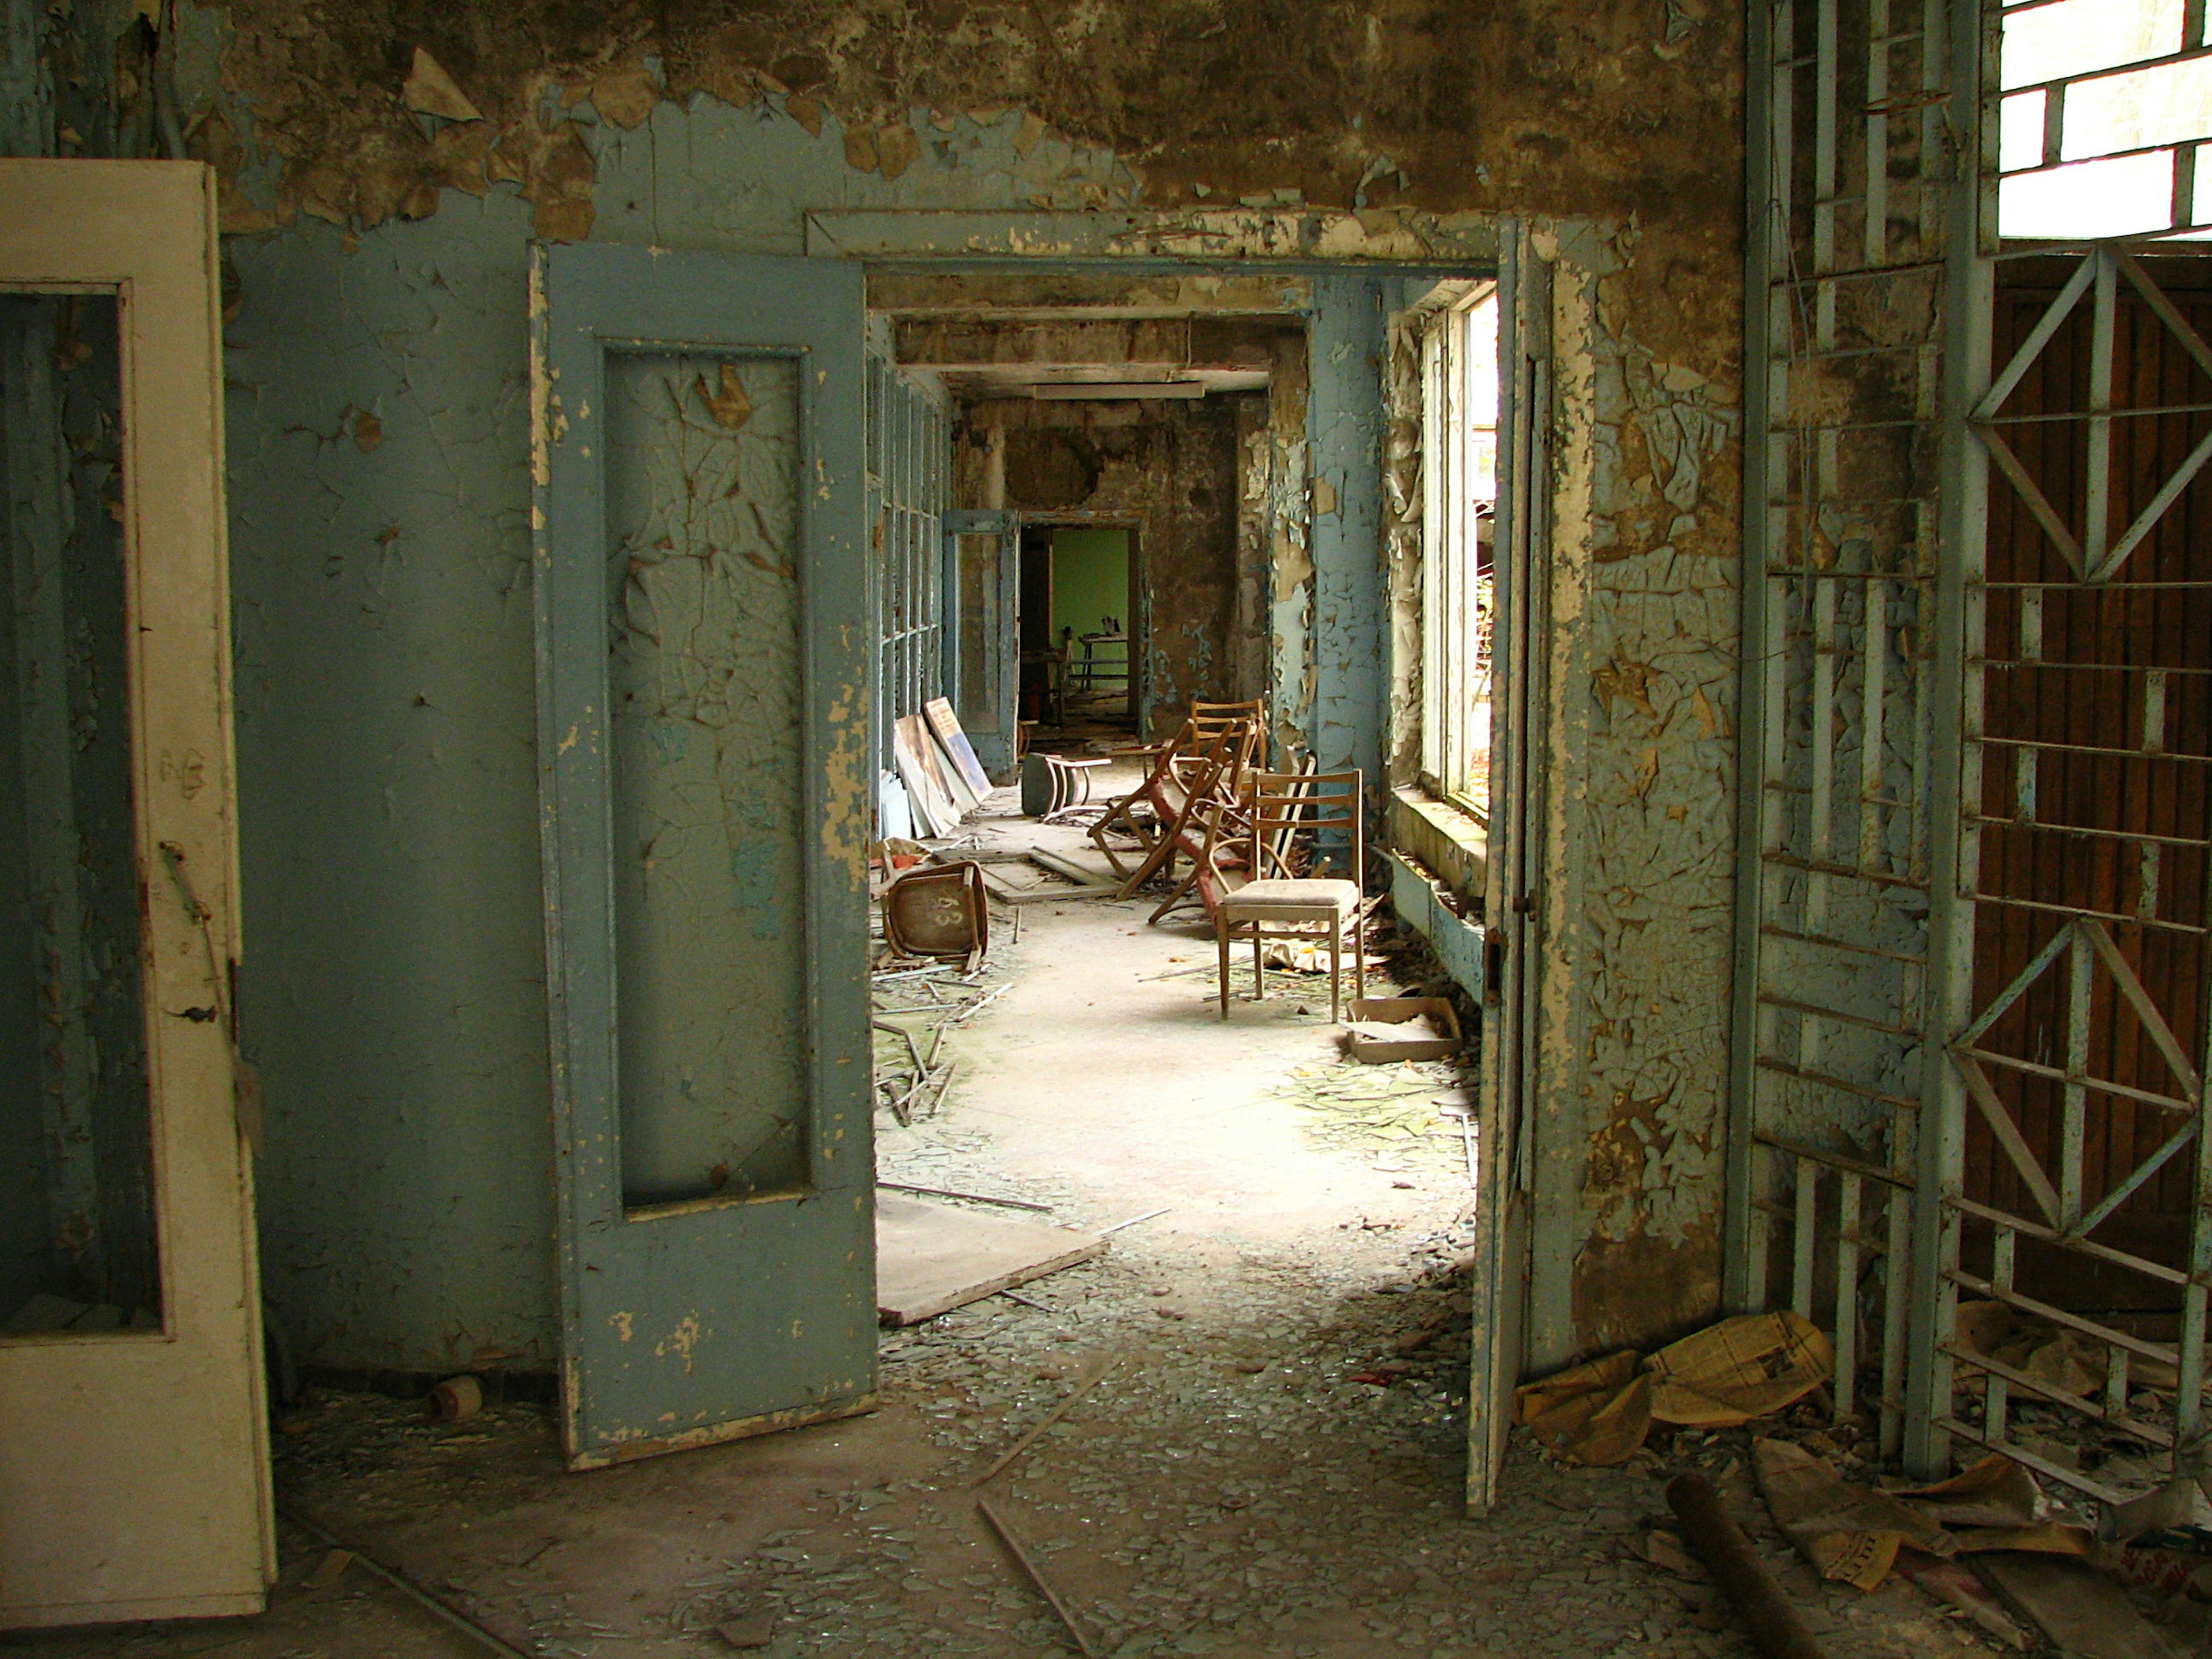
[
  {"x": 1841, "y": 695},
  {"x": 909, "y": 467},
  {"x": 2081, "y": 1192}
]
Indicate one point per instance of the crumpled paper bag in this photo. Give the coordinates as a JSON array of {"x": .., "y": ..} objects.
[
  {"x": 1851, "y": 1533},
  {"x": 1730, "y": 1373}
]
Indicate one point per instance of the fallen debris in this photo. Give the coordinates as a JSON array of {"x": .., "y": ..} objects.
[
  {"x": 1725, "y": 1374},
  {"x": 1029, "y": 1570},
  {"x": 1850, "y": 1534},
  {"x": 1387, "y": 1029},
  {"x": 931, "y": 1258},
  {"x": 1091, "y": 1375},
  {"x": 2079, "y": 1610},
  {"x": 969, "y": 1198},
  {"x": 1954, "y": 1586},
  {"x": 1774, "y": 1625}
]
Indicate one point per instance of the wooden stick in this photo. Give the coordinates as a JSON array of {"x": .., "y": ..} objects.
[
  {"x": 1774, "y": 1624},
  {"x": 973, "y": 1198},
  {"x": 415, "y": 1593},
  {"x": 1135, "y": 1219},
  {"x": 1093, "y": 1374},
  {"x": 1029, "y": 1568}
]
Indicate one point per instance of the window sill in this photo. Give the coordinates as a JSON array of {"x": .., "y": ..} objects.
[{"x": 1445, "y": 839}]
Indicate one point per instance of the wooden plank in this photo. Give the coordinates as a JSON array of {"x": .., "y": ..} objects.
[
  {"x": 946, "y": 725},
  {"x": 2081, "y": 1610},
  {"x": 931, "y": 1258}
]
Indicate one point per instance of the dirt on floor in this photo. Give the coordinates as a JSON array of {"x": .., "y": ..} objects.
[{"x": 1270, "y": 1466}]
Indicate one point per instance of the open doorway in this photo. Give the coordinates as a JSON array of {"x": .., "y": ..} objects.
[{"x": 1080, "y": 595}]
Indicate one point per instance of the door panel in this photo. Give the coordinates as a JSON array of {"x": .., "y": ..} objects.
[
  {"x": 703, "y": 721},
  {"x": 982, "y": 571},
  {"x": 1513, "y": 918},
  {"x": 130, "y": 1334}
]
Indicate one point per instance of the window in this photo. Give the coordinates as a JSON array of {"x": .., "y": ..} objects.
[
  {"x": 2105, "y": 105},
  {"x": 1459, "y": 474}
]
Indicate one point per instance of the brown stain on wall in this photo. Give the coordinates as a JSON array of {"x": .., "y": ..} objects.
[{"x": 1379, "y": 103}]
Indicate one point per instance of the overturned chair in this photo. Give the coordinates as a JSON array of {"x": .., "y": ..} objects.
[
  {"x": 1183, "y": 769},
  {"x": 1296, "y": 819}
]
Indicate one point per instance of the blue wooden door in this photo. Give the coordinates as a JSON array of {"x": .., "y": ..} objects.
[
  {"x": 703, "y": 660},
  {"x": 982, "y": 566}
]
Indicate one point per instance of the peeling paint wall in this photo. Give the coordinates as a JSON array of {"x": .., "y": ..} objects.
[
  {"x": 1171, "y": 469},
  {"x": 384, "y": 168}
]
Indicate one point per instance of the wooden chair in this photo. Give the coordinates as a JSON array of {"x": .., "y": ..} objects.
[
  {"x": 1184, "y": 795},
  {"x": 1290, "y": 813},
  {"x": 1149, "y": 813}
]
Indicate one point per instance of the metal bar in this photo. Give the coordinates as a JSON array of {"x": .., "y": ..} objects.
[
  {"x": 2153, "y": 1020},
  {"x": 2080, "y": 1246},
  {"x": 2057, "y": 1316},
  {"x": 1802, "y": 1237},
  {"x": 2141, "y": 1173},
  {"x": 1844, "y": 1085},
  {"x": 2055, "y": 1074},
  {"x": 2156, "y": 1433},
  {"x": 1850, "y": 947},
  {"x": 1740, "y": 1256},
  {"x": 2070, "y": 911},
  {"x": 1992, "y": 742},
  {"x": 1847, "y": 1294},
  {"x": 1858, "y": 1169},
  {"x": 2007, "y": 1136},
  {"x": 2096, "y": 530},
  {"x": 2043, "y": 1466},
  {"x": 2017, "y": 365},
  {"x": 2045, "y": 826},
  {"x": 1997, "y": 1393}
]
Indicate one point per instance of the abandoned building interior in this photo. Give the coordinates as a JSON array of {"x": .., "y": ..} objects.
[{"x": 1014, "y": 826}]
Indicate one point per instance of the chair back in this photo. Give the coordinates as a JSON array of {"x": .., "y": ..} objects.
[{"x": 1308, "y": 807}]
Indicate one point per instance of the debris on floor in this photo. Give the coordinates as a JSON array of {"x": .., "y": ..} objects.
[
  {"x": 1730, "y": 1373},
  {"x": 1385, "y": 1030},
  {"x": 915, "y": 1008},
  {"x": 932, "y": 1258},
  {"x": 1397, "y": 1115}
]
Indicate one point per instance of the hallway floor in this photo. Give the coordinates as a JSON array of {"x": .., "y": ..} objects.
[{"x": 1271, "y": 1468}]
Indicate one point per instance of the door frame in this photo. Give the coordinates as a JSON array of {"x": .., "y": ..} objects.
[
  {"x": 943, "y": 243},
  {"x": 1140, "y": 596}
]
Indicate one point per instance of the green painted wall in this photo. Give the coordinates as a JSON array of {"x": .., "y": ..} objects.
[
  {"x": 1089, "y": 580},
  {"x": 1091, "y": 583}
]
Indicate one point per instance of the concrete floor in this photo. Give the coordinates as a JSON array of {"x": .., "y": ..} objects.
[{"x": 1272, "y": 1466}]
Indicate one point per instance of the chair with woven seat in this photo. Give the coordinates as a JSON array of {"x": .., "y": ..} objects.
[{"x": 1297, "y": 819}]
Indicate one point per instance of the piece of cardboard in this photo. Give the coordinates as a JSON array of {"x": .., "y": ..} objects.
[
  {"x": 1397, "y": 1010},
  {"x": 911, "y": 749}
]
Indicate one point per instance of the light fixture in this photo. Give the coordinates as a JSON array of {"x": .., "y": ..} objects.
[{"x": 1071, "y": 390}]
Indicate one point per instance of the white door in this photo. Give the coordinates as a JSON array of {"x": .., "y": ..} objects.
[{"x": 134, "y": 1467}]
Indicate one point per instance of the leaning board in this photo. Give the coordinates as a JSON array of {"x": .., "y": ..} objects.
[{"x": 946, "y": 725}]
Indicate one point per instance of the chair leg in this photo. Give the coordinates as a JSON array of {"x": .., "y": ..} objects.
[
  {"x": 1259, "y": 965},
  {"x": 1221, "y": 940},
  {"x": 1335, "y": 949},
  {"x": 1177, "y": 897},
  {"x": 1359, "y": 963}
]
